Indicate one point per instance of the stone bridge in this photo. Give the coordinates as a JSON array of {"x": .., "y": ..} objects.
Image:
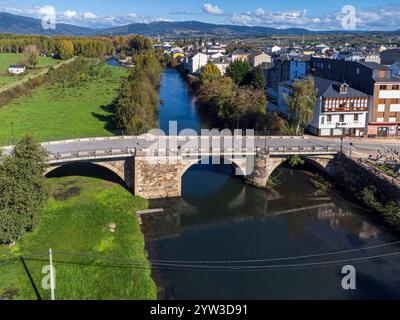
[{"x": 152, "y": 167}]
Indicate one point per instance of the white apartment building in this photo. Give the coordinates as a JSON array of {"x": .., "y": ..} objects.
[{"x": 340, "y": 110}]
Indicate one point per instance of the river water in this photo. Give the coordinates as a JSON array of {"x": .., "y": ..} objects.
[
  {"x": 219, "y": 218},
  {"x": 293, "y": 241}
]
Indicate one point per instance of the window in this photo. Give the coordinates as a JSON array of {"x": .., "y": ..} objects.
[
  {"x": 392, "y": 119},
  {"x": 344, "y": 88},
  {"x": 358, "y": 71},
  {"x": 380, "y": 119},
  {"x": 396, "y": 87},
  {"x": 329, "y": 118},
  {"x": 356, "y": 118},
  {"x": 382, "y": 74},
  {"x": 341, "y": 118},
  {"x": 395, "y": 108},
  {"x": 381, "y": 108},
  {"x": 383, "y": 87}
]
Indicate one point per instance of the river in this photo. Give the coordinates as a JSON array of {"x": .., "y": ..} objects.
[
  {"x": 293, "y": 241},
  {"x": 219, "y": 218}
]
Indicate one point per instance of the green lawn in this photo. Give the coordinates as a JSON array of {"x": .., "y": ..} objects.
[
  {"x": 76, "y": 219},
  {"x": 56, "y": 113},
  {"x": 6, "y": 59}
]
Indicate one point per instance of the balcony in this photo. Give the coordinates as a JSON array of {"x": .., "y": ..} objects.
[{"x": 345, "y": 109}]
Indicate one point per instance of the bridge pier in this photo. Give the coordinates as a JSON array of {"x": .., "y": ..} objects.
[
  {"x": 264, "y": 165},
  {"x": 157, "y": 178}
]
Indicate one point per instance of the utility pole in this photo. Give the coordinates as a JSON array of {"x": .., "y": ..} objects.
[
  {"x": 52, "y": 286},
  {"x": 12, "y": 133}
]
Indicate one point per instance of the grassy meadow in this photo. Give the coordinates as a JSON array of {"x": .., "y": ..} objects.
[
  {"x": 56, "y": 112},
  {"x": 76, "y": 220},
  {"x": 6, "y": 59}
]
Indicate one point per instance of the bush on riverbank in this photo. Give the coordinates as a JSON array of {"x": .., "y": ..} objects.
[
  {"x": 136, "y": 108},
  {"x": 390, "y": 210}
]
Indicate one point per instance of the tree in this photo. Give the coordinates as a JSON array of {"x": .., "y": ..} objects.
[
  {"x": 258, "y": 78},
  {"x": 136, "y": 108},
  {"x": 210, "y": 72},
  {"x": 295, "y": 161},
  {"x": 238, "y": 71},
  {"x": 249, "y": 100},
  {"x": 22, "y": 189},
  {"x": 218, "y": 94},
  {"x": 65, "y": 49},
  {"x": 31, "y": 56},
  {"x": 301, "y": 103}
]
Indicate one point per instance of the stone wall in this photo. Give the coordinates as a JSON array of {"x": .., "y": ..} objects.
[
  {"x": 157, "y": 178},
  {"x": 352, "y": 178}
]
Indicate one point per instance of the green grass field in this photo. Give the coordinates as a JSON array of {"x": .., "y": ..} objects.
[
  {"x": 6, "y": 59},
  {"x": 52, "y": 112},
  {"x": 76, "y": 220}
]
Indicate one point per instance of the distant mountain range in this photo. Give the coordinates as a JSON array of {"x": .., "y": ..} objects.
[
  {"x": 15, "y": 24},
  {"x": 10, "y": 23},
  {"x": 189, "y": 28}
]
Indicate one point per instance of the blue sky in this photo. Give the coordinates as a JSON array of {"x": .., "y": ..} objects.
[{"x": 312, "y": 14}]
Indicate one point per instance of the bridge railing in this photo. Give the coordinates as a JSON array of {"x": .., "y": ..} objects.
[
  {"x": 92, "y": 154},
  {"x": 299, "y": 149},
  {"x": 186, "y": 152}
]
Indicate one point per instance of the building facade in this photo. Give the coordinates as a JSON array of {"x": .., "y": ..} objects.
[
  {"x": 340, "y": 110},
  {"x": 374, "y": 80}
]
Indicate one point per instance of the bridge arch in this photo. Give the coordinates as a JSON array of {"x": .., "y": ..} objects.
[
  {"x": 100, "y": 170},
  {"x": 319, "y": 163},
  {"x": 265, "y": 165},
  {"x": 239, "y": 164}
]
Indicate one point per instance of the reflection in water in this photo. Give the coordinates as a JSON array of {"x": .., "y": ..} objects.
[
  {"x": 221, "y": 218},
  {"x": 239, "y": 222}
]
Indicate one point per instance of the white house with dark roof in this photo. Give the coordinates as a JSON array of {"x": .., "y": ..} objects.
[
  {"x": 340, "y": 110},
  {"x": 222, "y": 63},
  {"x": 16, "y": 69}
]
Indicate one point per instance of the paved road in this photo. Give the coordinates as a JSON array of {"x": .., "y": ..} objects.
[{"x": 360, "y": 147}]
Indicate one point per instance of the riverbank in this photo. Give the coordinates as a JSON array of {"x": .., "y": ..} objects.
[{"x": 98, "y": 246}]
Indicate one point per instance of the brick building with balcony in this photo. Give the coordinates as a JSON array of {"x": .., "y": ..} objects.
[{"x": 375, "y": 80}]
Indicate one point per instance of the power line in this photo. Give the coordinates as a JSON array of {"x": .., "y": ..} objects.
[{"x": 238, "y": 261}]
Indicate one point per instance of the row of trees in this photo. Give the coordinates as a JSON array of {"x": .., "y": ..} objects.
[
  {"x": 63, "y": 47},
  {"x": 23, "y": 192},
  {"x": 136, "y": 107},
  {"x": 238, "y": 98},
  {"x": 240, "y": 95}
]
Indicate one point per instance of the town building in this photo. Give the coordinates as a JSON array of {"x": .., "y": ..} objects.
[
  {"x": 196, "y": 62},
  {"x": 395, "y": 67},
  {"x": 257, "y": 59},
  {"x": 340, "y": 110},
  {"x": 390, "y": 57},
  {"x": 239, "y": 55},
  {"x": 374, "y": 80},
  {"x": 222, "y": 63},
  {"x": 287, "y": 68}
]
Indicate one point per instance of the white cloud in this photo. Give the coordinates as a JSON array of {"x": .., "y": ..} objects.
[
  {"x": 211, "y": 9},
  {"x": 70, "y": 13},
  {"x": 89, "y": 15},
  {"x": 47, "y": 10},
  {"x": 374, "y": 18},
  {"x": 260, "y": 12}
]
